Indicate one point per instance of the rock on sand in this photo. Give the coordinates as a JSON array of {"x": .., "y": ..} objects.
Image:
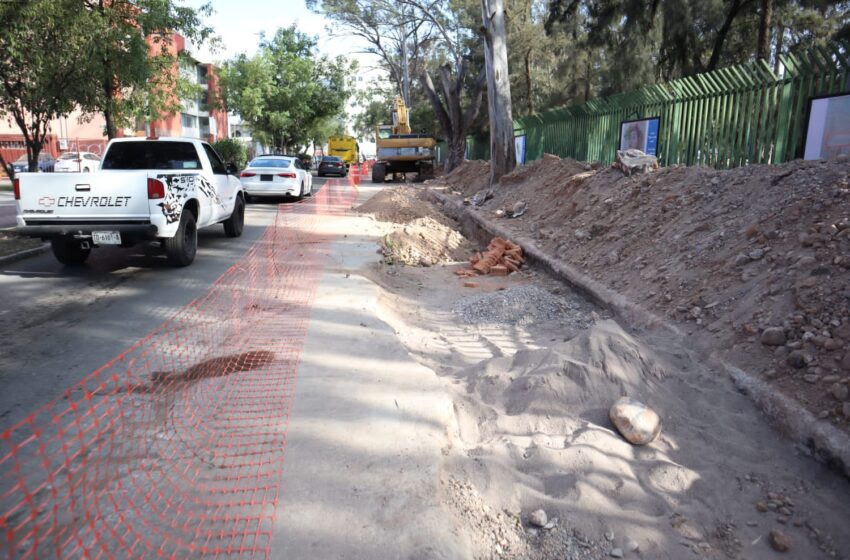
[{"x": 638, "y": 423}]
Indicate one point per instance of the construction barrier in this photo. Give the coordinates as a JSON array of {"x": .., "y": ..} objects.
[{"x": 175, "y": 448}]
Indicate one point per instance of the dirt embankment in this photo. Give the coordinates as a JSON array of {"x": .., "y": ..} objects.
[{"x": 755, "y": 261}]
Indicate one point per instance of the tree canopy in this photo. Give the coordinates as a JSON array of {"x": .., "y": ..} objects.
[
  {"x": 39, "y": 82},
  {"x": 287, "y": 92}
]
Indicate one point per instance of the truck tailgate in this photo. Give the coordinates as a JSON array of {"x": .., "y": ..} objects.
[{"x": 117, "y": 196}]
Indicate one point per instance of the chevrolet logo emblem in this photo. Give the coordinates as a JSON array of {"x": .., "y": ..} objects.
[{"x": 46, "y": 201}]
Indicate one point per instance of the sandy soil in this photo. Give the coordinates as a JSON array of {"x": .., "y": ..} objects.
[
  {"x": 725, "y": 254},
  {"x": 531, "y": 431}
]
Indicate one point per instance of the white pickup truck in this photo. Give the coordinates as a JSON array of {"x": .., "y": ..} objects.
[{"x": 147, "y": 188}]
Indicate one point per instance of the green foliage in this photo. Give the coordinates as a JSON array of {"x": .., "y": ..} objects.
[
  {"x": 286, "y": 92},
  {"x": 38, "y": 81},
  {"x": 232, "y": 151},
  {"x": 133, "y": 73}
]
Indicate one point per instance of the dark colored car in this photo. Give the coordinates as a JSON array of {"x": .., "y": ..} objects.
[
  {"x": 46, "y": 163},
  {"x": 332, "y": 165}
]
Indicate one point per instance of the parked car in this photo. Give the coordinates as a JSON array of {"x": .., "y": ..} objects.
[
  {"x": 77, "y": 162},
  {"x": 162, "y": 189},
  {"x": 332, "y": 165},
  {"x": 46, "y": 163},
  {"x": 276, "y": 175}
]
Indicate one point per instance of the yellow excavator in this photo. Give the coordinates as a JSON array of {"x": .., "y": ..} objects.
[{"x": 399, "y": 150}]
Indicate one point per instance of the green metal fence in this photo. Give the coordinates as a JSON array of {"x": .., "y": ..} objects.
[{"x": 730, "y": 117}]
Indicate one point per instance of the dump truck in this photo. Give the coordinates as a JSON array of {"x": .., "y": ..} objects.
[
  {"x": 345, "y": 148},
  {"x": 399, "y": 150}
]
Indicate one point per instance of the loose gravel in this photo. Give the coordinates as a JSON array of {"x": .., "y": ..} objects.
[{"x": 522, "y": 305}]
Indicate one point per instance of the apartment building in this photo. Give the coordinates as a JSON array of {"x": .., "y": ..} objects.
[{"x": 198, "y": 118}]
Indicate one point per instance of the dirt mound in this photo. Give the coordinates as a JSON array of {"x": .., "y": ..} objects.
[
  {"x": 727, "y": 254},
  {"x": 402, "y": 205},
  {"x": 468, "y": 178},
  {"x": 422, "y": 235},
  {"x": 424, "y": 242}
]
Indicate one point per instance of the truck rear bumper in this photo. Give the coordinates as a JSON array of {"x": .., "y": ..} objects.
[{"x": 137, "y": 231}]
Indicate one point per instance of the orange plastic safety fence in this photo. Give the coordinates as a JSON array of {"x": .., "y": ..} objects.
[{"x": 175, "y": 447}]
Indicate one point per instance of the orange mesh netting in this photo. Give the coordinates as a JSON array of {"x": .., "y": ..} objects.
[{"x": 175, "y": 447}]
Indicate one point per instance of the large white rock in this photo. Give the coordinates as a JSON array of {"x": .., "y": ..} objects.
[{"x": 638, "y": 423}]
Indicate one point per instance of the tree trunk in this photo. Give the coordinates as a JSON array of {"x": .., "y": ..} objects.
[
  {"x": 405, "y": 66},
  {"x": 454, "y": 121},
  {"x": 780, "y": 37},
  {"x": 734, "y": 9},
  {"x": 108, "y": 115},
  {"x": 502, "y": 151},
  {"x": 530, "y": 101},
  {"x": 765, "y": 22}
]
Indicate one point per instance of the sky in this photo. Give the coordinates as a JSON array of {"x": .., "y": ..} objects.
[{"x": 239, "y": 22}]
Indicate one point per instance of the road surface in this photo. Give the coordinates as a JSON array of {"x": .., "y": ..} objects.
[{"x": 364, "y": 413}]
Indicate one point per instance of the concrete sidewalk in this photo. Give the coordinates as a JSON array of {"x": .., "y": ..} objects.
[{"x": 367, "y": 430}]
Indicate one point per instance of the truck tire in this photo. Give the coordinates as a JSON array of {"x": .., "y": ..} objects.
[
  {"x": 379, "y": 173},
  {"x": 181, "y": 248},
  {"x": 69, "y": 251},
  {"x": 236, "y": 222}
]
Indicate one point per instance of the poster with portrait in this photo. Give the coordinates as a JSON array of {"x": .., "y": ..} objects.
[
  {"x": 519, "y": 146},
  {"x": 640, "y": 134},
  {"x": 828, "y": 128}
]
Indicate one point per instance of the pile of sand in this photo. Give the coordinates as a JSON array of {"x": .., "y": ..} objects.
[
  {"x": 727, "y": 254},
  {"x": 531, "y": 431},
  {"x": 421, "y": 235},
  {"x": 424, "y": 242}
]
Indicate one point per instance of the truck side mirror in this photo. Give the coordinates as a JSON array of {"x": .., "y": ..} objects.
[{"x": 232, "y": 169}]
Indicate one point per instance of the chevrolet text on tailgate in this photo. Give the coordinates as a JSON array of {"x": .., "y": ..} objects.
[{"x": 147, "y": 189}]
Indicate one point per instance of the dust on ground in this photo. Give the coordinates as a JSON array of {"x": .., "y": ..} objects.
[
  {"x": 531, "y": 431},
  {"x": 727, "y": 255}
]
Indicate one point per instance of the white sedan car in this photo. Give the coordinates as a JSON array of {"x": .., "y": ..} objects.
[
  {"x": 77, "y": 162},
  {"x": 277, "y": 176}
]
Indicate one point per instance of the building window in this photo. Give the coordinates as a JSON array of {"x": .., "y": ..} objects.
[{"x": 189, "y": 121}]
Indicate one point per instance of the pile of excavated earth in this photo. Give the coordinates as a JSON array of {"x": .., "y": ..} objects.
[
  {"x": 754, "y": 261},
  {"x": 538, "y": 462}
]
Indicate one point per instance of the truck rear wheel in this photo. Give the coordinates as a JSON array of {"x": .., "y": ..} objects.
[
  {"x": 69, "y": 251},
  {"x": 379, "y": 173},
  {"x": 181, "y": 248}
]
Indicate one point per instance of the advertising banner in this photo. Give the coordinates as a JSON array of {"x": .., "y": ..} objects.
[
  {"x": 519, "y": 145},
  {"x": 640, "y": 134},
  {"x": 828, "y": 128}
]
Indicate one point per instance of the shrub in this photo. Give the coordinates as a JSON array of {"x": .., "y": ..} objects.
[{"x": 233, "y": 151}]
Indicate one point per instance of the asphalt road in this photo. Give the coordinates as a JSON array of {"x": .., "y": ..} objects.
[{"x": 59, "y": 324}]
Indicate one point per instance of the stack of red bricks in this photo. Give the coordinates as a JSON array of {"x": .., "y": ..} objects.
[{"x": 500, "y": 259}]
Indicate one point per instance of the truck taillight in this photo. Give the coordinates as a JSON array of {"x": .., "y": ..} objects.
[
  {"x": 16, "y": 185},
  {"x": 156, "y": 189},
  {"x": 286, "y": 175},
  {"x": 247, "y": 174}
]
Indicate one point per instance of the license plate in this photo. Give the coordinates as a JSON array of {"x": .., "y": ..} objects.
[
  {"x": 266, "y": 177},
  {"x": 106, "y": 237}
]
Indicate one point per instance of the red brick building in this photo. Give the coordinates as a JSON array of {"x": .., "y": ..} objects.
[{"x": 79, "y": 132}]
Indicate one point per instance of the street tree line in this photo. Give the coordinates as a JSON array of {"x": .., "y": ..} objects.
[
  {"x": 116, "y": 58},
  {"x": 108, "y": 57},
  {"x": 558, "y": 52}
]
